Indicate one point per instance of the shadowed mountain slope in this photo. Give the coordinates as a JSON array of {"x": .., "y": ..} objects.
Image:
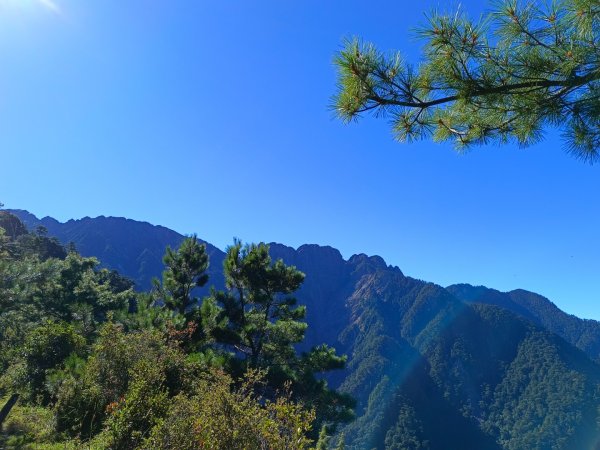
[
  {"x": 431, "y": 368},
  {"x": 135, "y": 249},
  {"x": 582, "y": 333}
]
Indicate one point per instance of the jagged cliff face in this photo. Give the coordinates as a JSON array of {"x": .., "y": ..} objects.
[{"x": 431, "y": 368}]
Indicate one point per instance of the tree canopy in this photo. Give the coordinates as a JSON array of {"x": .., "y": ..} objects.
[
  {"x": 258, "y": 320},
  {"x": 524, "y": 67},
  {"x": 95, "y": 363},
  {"x": 185, "y": 270}
]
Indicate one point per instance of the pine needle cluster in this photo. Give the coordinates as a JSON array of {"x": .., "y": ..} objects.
[{"x": 523, "y": 68}]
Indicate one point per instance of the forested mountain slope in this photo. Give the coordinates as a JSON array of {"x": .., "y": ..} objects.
[
  {"x": 433, "y": 372},
  {"x": 582, "y": 333},
  {"x": 431, "y": 368}
]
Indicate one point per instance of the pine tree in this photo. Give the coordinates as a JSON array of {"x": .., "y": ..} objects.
[
  {"x": 258, "y": 320},
  {"x": 527, "y": 66},
  {"x": 263, "y": 321},
  {"x": 185, "y": 271}
]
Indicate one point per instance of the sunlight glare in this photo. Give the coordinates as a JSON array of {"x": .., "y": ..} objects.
[{"x": 24, "y": 5}]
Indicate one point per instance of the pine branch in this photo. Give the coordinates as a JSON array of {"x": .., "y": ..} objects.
[{"x": 543, "y": 66}]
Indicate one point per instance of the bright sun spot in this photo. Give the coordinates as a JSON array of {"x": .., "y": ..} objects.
[{"x": 49, "y": 5}]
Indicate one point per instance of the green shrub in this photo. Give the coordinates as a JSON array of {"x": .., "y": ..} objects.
[
  {"x": 44, "y": 351},
  {"x": 217, "y": 417},
  {"x": 86, "y": 400},
  {"x": 143, "y": 405}
]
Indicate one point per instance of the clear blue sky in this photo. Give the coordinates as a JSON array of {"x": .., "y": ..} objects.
[{"x": 212, "y": 117}]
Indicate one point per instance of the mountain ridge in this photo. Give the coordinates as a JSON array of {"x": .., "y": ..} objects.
[
  {"x": 101, "y": 236},
  {"x": 480, "y": 358}
]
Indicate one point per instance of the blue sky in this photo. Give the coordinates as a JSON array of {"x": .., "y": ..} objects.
[{"x": 212, "y": 117}]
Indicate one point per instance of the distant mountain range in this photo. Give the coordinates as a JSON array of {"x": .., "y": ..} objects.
[
  {"x": 461, "y": 367},
  {"x": 133, "y": 248}
]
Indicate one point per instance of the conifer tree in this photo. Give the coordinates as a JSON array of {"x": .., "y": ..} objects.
[
  {"x": 263, "y": 322},
  {"x": 258, "y": 320},
  {"x": 185, "y": 271},
  {"x": 525, "y": 67}
]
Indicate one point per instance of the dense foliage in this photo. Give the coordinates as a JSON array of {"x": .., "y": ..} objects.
[
  {"x": 525, "y": 66},
  {"x": 100, "y": 365}
]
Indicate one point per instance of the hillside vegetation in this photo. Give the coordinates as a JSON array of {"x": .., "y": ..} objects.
[
  {"x": 96, "y": 364},
  {"x": 428, "y": 368}
]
